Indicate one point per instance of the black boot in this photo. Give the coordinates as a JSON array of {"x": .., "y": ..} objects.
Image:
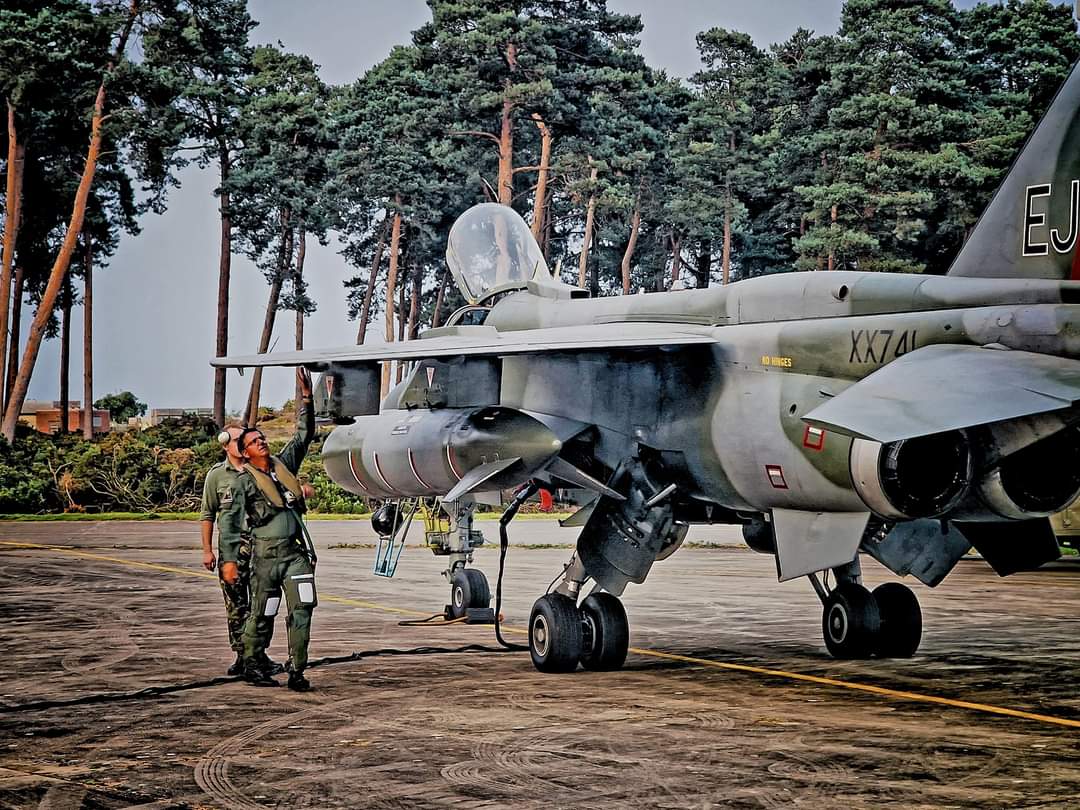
[
  {"x": 269, "y": 665},
  {"x": 255, "y": 675},
  {"x": 237, "y": 667},
  {"x": 298, "y": 683}
]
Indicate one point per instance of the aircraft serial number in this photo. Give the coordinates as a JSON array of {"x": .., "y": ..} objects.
[{"x": 879, "y": 345}]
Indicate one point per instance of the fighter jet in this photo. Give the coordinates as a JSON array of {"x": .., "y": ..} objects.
[{"x": 907, "y": 417}]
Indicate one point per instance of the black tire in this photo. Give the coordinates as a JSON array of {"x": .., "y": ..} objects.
[
  {"x": 850, "y": 622},
  {"x": 460, "y": 593},
  {"x": 478, "y": 587},
  {"x": 555, "y": 634},
  {"x": 607, "y": 633},
  {"x": 901, "y": 620}
]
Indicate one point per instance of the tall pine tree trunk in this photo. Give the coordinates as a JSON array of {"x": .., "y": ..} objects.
[
  {"x": 16, "y": 322},
  {"x": 590, "y": 216},
  {"x": 725, "y": 261},
  {"x": 676, "y": 257},
  {"x": 540, "y": 201},
  {"x": 400, "y": 325},
  {"x": 506, "y": 134},
  {"x": 369, "y": 292},
  {"x": 221, "y": 343},
  {"x": 549, "y": 226},
  {"x": 436, "y": 313},
  {"x": 628, "y": 254},
  {"x": 301, "y": 254},
  {"x": 63, "y": 258},
  {"x": 391, "y": 281},
  {"x": 16, "y": 155},
  {"x": 832, "y": 248},
  {"x": 88, "y": 343},
  {"x": 284, "y": 257},
  {"x": 704, "y": 262},
  {"x": 414, "y": 304},
  {"x": 65, "y": 359}
]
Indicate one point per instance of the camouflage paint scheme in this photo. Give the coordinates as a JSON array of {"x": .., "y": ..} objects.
[{"x": 848, "y": 409}]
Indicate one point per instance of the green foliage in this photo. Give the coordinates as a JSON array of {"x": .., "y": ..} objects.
[
  {"x": 160, "y": 469},
  {"x": 329, "y": 498},
  {"x": 121, "y": 406}
]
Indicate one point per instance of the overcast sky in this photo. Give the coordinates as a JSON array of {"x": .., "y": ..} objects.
[{"x": 155, "y": 304}]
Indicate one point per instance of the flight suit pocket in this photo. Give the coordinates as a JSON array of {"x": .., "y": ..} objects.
[{"x": 304, "y": 586}]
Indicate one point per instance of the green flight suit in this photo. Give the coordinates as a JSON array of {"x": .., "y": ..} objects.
[
  {"x": 278, "y": 561},
  {"x": 217, "y": 494}
]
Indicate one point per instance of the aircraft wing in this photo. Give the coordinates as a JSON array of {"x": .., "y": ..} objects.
[
  {"x": 947, "y": 387},
  {"x": 481, "y": 340}
]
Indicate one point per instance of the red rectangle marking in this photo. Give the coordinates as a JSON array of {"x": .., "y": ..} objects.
[
  {"x": 776, "y": 476},
  {"x": 813, "y": 438}
]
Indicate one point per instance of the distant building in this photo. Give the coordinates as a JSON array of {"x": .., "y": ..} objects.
[
  {"x": 44, "y": 417},
  {"x": 159, "y": 415}
]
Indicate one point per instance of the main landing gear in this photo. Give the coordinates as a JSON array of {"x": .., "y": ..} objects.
[
  {"x": 858, "y": 623},
  {"x": 562, "y": 633}
]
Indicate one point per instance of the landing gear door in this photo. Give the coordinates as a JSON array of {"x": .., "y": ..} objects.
[{"x": 814, "y": 541}]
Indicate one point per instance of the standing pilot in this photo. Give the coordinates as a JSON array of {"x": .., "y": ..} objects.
[
  {"x": 268, "y": 499},
  {"x": 217, "y": 495}
]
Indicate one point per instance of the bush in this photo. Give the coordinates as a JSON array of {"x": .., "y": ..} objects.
[{"x": 161, "y": 469}]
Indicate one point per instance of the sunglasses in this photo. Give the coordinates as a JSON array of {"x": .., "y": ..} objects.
[{"x": 243, "y": 441}]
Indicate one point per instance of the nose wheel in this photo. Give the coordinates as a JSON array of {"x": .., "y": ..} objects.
[
  {"x": 561, "y": 634},
  {"x": 468, "y": 589}
]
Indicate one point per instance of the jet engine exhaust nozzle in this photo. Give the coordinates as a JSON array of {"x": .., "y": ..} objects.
[
  {"x": 1038, "y": 480},
  {"x": 913, "y": 478}
]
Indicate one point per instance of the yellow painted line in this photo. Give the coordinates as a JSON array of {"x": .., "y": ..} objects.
[
  {"x": 895, "y": 694},
  {"x": 119, "y": 560}
]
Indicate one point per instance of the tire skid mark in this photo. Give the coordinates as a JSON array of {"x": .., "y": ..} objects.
[
  {"x": 807, "y": 769},
  {"x": 526, "y": 758},
  {"x": 212, "y": 770},
  {"x": 113, "y": 634}
]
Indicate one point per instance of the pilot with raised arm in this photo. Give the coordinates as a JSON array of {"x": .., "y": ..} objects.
[
  {"x": 269, "y": 500},
  {"x": 217, "y": 495}
]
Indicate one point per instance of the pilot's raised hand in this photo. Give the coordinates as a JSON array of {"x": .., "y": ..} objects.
[{"x": 303, "y": 378}]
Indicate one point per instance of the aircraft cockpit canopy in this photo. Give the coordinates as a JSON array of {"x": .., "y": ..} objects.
[{"x": 491, "y": 250}]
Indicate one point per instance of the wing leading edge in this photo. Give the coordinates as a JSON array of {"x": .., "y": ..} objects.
[
  {"x": 490, "y": 342},
  {"x": 947, "y": 387}
]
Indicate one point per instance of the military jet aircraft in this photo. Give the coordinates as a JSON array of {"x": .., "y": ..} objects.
[{"x": 907, "y": 417}]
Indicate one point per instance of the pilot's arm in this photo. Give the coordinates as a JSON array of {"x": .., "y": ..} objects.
[
  {"x": 231, "y": 527},
  {"x": 206, "y": 521},
  {"x": 294, "y": 452}
]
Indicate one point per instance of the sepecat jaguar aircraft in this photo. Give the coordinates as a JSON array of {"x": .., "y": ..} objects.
[{"x": 835, "y": 413}]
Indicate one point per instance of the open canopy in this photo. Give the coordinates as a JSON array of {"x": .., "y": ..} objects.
[{"x": 490, "y": 250}]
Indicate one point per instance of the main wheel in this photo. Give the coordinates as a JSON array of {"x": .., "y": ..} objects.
[
  {"x": 901, "y": 620},
  {"x": 607, "y": 632},
  {"x": 850, "y": 622},
  {"x": 555, "y": 634}
]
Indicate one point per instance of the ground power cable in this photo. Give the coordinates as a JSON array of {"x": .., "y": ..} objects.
[{"x": 520, "y": 497}]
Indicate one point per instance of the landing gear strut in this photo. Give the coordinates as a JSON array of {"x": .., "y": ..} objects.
[
  {"x": 455, "y": 538},
  {"x": 858, "y": 624}
]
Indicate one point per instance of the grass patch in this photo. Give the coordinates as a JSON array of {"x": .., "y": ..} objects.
[{"x": 90, "y": 516}]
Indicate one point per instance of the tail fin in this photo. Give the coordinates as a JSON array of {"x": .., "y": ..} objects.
[{"x": 1031, "y": 228}]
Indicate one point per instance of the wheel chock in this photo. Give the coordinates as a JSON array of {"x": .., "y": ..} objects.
[{"x": 480, "y": 615}]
